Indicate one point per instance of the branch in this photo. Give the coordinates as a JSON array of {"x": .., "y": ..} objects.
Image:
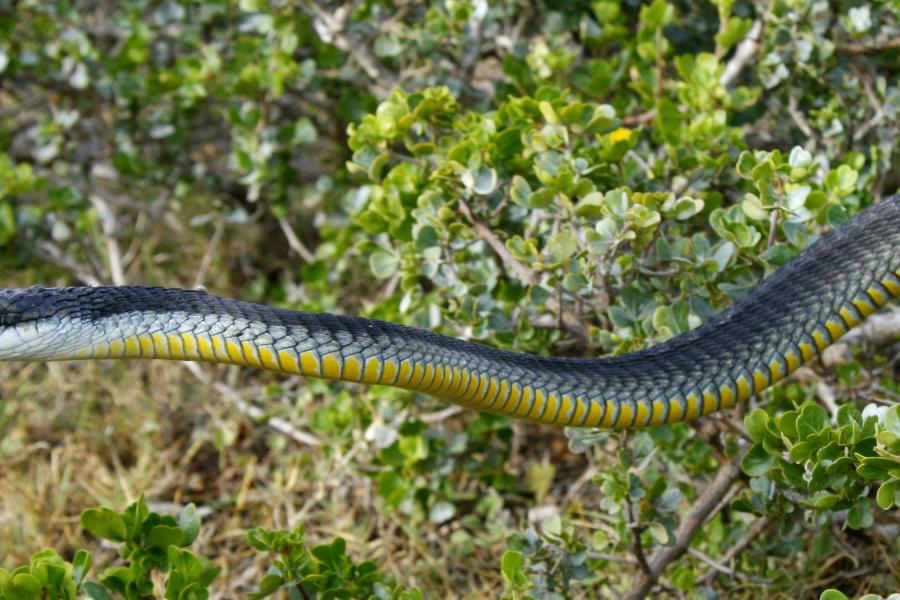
[
  {"x": 876, "y": 331},
  {"x": 866, "y": 47},
  {"x": 280, "y": 425},
  {"x": 718, "y": 567},
  {"x": 51, "y": 253},
  {"x": 692, "y": 521},
  {"x": 108, "y": 227},
  {"x": 571, "y": 321},
  {"x": 331, "y": 27},
  {"x": 757, "y": 527},
  {"x": 745, "y": 50},
  {"x": 294, "y": 242}
]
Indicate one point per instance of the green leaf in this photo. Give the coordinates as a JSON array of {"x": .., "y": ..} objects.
[
  {"x": 888, "y": 494},
  {"x": 104, "y": 523},
  {"x": 757, "y": 461},
  {"x": 859, "y": 516},
  {"x": 163, "y": 536},
  {"x": 95, "y": 591},
  {"x": 383, "y": 264},
  {"x": 541, "y": 198},
  {"x": 81, "y": 564},
  {"x": 841, "y": 181},
  {"x": 735, "y": 30},
  {"x": 657, "y": 13},
  {"x": 511, "y": 567},
  {"x": 832, "y": 594},
  {"x": 812, "y": 419},
  {"x": 520, "y": 191},
  {"x": 755, "y": 423},
  {"x": 22, "y": 586},
  {"x": 892, "y": 419}
]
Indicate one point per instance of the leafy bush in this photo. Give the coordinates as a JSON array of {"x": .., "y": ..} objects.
[{"x": 554, "y": 178}]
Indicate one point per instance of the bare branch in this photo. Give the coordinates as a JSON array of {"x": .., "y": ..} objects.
[
  {"x": 108, "y": 227},
  {"x": 757, "y": 527},
  {"x": 726, "y": 570},
  {"x": 294, "y": 242},
  {"x": 571, "y": 321},
  {"x": 745, "y": 50},
  {"x": 876, "y": 331},
  {"x": 441, "y": 415},
  {"x": 692, "y": 521},
  {"x": 866, "y": 47},
  {"x": 332, "y": 28},
  {"x": 206, "y": 261},
  {"x": 232, "y": 395},
  {"x": 800, "y": 119},
  {"x": 50, "y": 252}
]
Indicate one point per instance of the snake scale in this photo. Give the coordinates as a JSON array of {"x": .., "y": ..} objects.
[{"x": 784, "y": 321}]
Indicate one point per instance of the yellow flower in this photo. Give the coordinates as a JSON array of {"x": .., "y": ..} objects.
[{"x": 620, "y": 135}]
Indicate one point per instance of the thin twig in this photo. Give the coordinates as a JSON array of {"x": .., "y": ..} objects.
[
  {"x": 866, "y": 47},
  {"x": 745, "y": 50},
  {"x": 108, "y": 227},
  {"x": 206, "y": 261},
  {"x": 773, "y": 228},
  {"x": 757, "y": 527},
  {"x": 441, "y": 415},
  {"x": 692, "y": 521},
  {"x": 726, "y": 570},
  {"x": 799, "y": 119},
  {"x": 571, "y": 321},
  {"x": 294, "y": 242},
  {"x": 280, "y": 425},
  {"x": 874, "y": 103},
  {"x": 332, "y": 28},
  {"x": 51, "y": 253}
]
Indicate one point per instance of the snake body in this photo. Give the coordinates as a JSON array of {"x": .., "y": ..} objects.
[{"x": 801, "y": 309}]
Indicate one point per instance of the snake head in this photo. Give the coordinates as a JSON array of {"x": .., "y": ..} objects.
[{"x": 36, "y": 323}]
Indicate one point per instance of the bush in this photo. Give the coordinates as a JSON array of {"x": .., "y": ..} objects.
[{"x": 554, "y": 178}]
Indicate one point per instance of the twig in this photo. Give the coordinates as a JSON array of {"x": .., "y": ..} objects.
[
  {"x": 876, "y": 331},
  {"x": 825, "y": 394},
  {"x": 206, "y": 261},
  {"x": 873, "y": 102},
  {"x": 639, "y": 119},
  {"x": 108, "y": 226},
  {"x": 799, "y": 119},
  {"x": 294, "y": 242},
  {"x": 280, "y": 425},
  {"x": 757, "y": 527},
  {"x": 50, "y": 252},
  {"x": 692, "y": 521},
  {"x": 723, "y": 569},
  {"x": 866, "y": 47},
  {"x": 441, "y": 415},
  {"x": 745, "y": 50},
  {"x": 637, "y": 547},
  {"x": 773, "y": 228},
  {"x": 331, "y": 27},
  {"x": 571, "y": 321}
]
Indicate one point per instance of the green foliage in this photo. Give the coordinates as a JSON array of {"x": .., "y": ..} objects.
[
  {"x": 832, "y": 467},
  {"x": 149, "y": 542},
  {"x": 323, "y": 571},
  {"x": 555, "y": 178}
]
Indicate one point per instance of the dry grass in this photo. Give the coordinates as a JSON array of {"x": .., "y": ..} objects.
[{"x": 79, "y": 435}]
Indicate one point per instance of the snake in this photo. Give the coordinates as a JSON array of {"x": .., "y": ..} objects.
[{"x": 781, "y": 323}]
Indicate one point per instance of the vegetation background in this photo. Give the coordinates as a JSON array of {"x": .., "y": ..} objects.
[{"x": 568, "y": 178}]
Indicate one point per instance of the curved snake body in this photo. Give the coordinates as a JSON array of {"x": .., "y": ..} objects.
[{"x": 827, "y": 289}]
